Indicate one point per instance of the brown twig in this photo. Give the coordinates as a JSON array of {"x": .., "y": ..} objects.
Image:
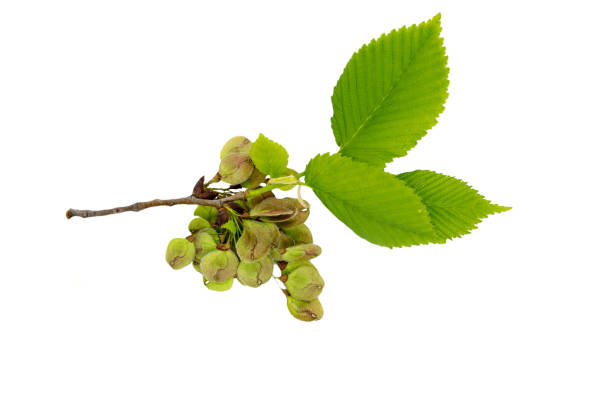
[{"x": 218, "y": 203}]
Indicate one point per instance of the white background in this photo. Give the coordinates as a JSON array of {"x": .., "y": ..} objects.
[{"x": 107, "y": 103}]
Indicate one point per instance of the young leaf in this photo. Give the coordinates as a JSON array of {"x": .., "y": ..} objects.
[
  {"x": 454, "y": 207},
  {"x": 230, "y": 226},
  {"x": 269, "y": 157},
  {"x": 390, "y": 93},
  {"x": 376, "y": 205}
]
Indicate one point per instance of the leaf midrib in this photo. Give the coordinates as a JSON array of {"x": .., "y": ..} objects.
[{"x": 382, "y": 102}]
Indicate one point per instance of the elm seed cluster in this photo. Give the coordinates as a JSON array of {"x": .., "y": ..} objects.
[{"x": 244, "y": 239}]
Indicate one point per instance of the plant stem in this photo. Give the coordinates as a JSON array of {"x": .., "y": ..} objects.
[
  {"x": 218, "y": 203},
  {"x": 261, "y": 190},
  {"x": 216, "y": 178}
]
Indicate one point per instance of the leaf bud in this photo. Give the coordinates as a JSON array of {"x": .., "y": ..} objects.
[
  {"x": 180, "y": 253},
  {"x": 219, "y": 266},
  {"x": 255, "y": 273},
  {"x": 303, "y": 310},
  {"x": 236, "y": 168},
  {"x": 219, "y": 286},
  {"x": 237, "y": 144},
  {"x": 222, "y": 217},
  {"x": 300, "y": 234},
  {"x": 198, "y": 224},
  {"x": 302, "y": 252},
  {"x": 255, "y": 241},
  {"x": 201, "y": 191},
  {"x": 304, "y": 282}
]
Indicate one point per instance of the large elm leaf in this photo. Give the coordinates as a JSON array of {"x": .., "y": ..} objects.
[
  {"x": 376, "y": 205},
  {"x": 453, "y": 206},
  {"x": 390, "y": 93}
]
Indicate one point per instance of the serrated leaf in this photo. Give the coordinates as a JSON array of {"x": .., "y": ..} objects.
[
  {"x": 269, "y": 157},
  {"x": 390, "y": 93},
  {"x": 376, "y": 205},
  {"x": 454, "y": 207}
]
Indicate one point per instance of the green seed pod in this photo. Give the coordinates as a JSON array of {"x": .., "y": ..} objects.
[
  {"x": 272, "y": 207},
  {"x": 255, "y": 273},
  {"x": 305, "y": 311},
  {"x": 204, "y": 243},
  {"x": 257, "y": 177},
  {"x": 220, "y": 286},
  {"x": 300, "y": 234},
  {"x": 180, "y": 253},
  {"x": 300, "y": 205},
  {"x": 297, "y": 205},
  {"x": 276, "y": 255},
  {"x": 299, "y": 219},
  {"x": 305, "y": 283},
  {"x": 252, "y": 201},
  {"x": 255, "y": 241},
  {"x": 285, "y": 241},
  {"x": 219, "y": 266},
  {"x": 198, "y": 224},
  {"x": 275, "y": 234},
  {"x": 302, "y": 252},
  {"x": 275, "y": 210},
  {"x": 206, "y": 212},
  {"x": 292, "y": 266},
  {"x": 237, "y": 144},
  {"x": 236, "y": 168}
]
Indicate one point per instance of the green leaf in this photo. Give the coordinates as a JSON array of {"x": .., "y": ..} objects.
[
  {"x": 231, "y": 227},
  {"x": 269, "y": 157},
  {"x": 454, "y": 207},
  {"x": 390, "y": 93},
  {"x": 376, "y": 205}
]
